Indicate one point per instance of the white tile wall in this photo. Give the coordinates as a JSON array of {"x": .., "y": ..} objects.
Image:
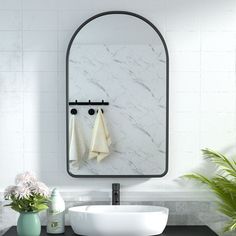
[
  {"x": 201, "y": 37},
  {"x": 10, "y": 20},
  {"x": 40, "y": 20},
  {"x": 10, "y": 40}
]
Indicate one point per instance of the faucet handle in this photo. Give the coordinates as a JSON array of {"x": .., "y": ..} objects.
[{"x": 115, "y": 186}]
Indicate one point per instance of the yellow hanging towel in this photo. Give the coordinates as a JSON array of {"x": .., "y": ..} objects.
[
  {"x": 100, "y": 139},
  {"x": 77, "y": 146}
]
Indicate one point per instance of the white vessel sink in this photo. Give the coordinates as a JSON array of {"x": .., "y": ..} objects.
[{"x": 121, "y": 220}]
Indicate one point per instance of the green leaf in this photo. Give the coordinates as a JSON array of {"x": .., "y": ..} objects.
[
  {"x": 223, "y": 184},
  {"x": 40, "y": 207},
  {"x": 227, "y": 166},
  {"x": 35, "y": 203}
]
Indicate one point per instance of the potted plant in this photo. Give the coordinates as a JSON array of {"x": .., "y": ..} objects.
[
  {"x": 28, "y": 197},
  {"x": 222, "y": 184}
]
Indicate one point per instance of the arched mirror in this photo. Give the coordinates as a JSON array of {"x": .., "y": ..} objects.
[{"x": 117, "y": 98}]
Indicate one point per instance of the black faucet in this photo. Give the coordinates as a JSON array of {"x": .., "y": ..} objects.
[{"x": 115, "y": 194}]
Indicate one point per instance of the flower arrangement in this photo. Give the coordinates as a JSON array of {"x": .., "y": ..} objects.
[
  {"x": 28, "y": 194},
  {"x": 222, "y": 184}
]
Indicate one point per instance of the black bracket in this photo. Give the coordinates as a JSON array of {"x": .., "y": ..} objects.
[
  {"x": 91, "y": 111},
  {"x": 89, "y": 103}
]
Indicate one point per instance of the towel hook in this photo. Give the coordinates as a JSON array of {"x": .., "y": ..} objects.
[
  {"x": 73, "y": 111},
  {"x": 91, "y": 111}
]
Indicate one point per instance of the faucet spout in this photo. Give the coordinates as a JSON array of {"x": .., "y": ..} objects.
[{"x": 115, "y": 194}]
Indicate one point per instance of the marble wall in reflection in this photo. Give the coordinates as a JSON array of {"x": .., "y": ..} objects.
[{"x": 132, "y": 78}]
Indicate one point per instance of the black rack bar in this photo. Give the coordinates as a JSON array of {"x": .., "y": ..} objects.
[{"x": 89, "y": 103}]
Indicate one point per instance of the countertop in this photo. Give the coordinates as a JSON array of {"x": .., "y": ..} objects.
[{"x": 169, "y": 231}]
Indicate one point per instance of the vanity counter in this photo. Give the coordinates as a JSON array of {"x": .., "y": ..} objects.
[{"x": 170, "y": 230}]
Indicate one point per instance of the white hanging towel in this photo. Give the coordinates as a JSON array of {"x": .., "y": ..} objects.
[
  {"x": 100, "y": 139},
  {"x": 77, "y": 144}
]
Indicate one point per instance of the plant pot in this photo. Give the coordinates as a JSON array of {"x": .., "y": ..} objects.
[{"x": 28, "y": 224}]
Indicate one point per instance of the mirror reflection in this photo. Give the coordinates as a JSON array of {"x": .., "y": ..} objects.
[{"x": 117, "y": 79}]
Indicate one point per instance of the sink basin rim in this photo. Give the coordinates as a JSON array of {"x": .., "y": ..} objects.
[{"x": 152, "y": 209}]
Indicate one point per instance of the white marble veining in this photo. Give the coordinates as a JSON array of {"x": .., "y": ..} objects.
[{"x": 132, "y": 78}]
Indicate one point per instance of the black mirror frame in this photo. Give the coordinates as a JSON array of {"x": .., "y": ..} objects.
[{"x": 167, "y": 97}]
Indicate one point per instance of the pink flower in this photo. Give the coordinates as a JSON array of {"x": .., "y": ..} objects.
[
  {"x": 9, "y": 191},
  {"x": 17, "y": 191},
  {"x": 26, "y": 186},
  {"x": 22, "y": 192},
  {"x": 25, "y": 178},
  {"x": 40, "y": 188}
]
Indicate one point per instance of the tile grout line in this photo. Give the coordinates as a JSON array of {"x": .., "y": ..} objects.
[
  {"x": 235, "y": 84},
  {"x": 23, "y": 86},
  {"x": 200, "y": 91},
  {"x": 58, "y": 82}
]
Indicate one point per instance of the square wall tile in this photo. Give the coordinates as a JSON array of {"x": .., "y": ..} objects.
[
  {"x": 11, "y": 82},
  {"x": 39, "y": 5},
  {"x": 42, "y": 142},
  {"x": 40, "y": 102},
  {"x": 218, "y": 102},
  {"x": 10, "y": 20},
  {"x": 40, "y": 20},
  {"x": 221, "y": 141},
  {"x": 218, "y": 61},
  {"x": 218, "y": 122},
  {"x": 11, "y": 102},
  {"x": 11, "y": 122},
  {"x": 10, "y": 61},
  {"x": 40, "y": 40},
  {"x": 39, "y": 162},
  {"x": 181, "y": 81},
  {"x": 222, "y": 81},
  {"x": 106, "y": 5},
  {"x": 8, "y": 140},
  {"x": 182, "y": 19},
  {"x": 40, "y": 61},
  {"x": 11, "y": 40},
  {"x": 185, "y": 61},
  {"x": 40, "y": 81},
  {"x": 11, "y": 164},
  {"x": 185, "y": 122},
  {"x": 217, "y": 20},
  {"x": 72, "y": 19},
  {"x": 40, "y": 122},
  {"x": 10, "y": 4},
  {"x": 184, "y": 141},
  {"x": 32, "y": 161},
  {"x": 183, "y": 40},
  {"x": 218, "y": 41},
  {"x": 219, "y": 5},
  {"x": 186, "y": 102}
]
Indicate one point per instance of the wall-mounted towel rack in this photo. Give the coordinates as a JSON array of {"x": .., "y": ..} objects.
[
  {"x": 89, "y": 103},
  {"x": 91, "y": 111}
]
